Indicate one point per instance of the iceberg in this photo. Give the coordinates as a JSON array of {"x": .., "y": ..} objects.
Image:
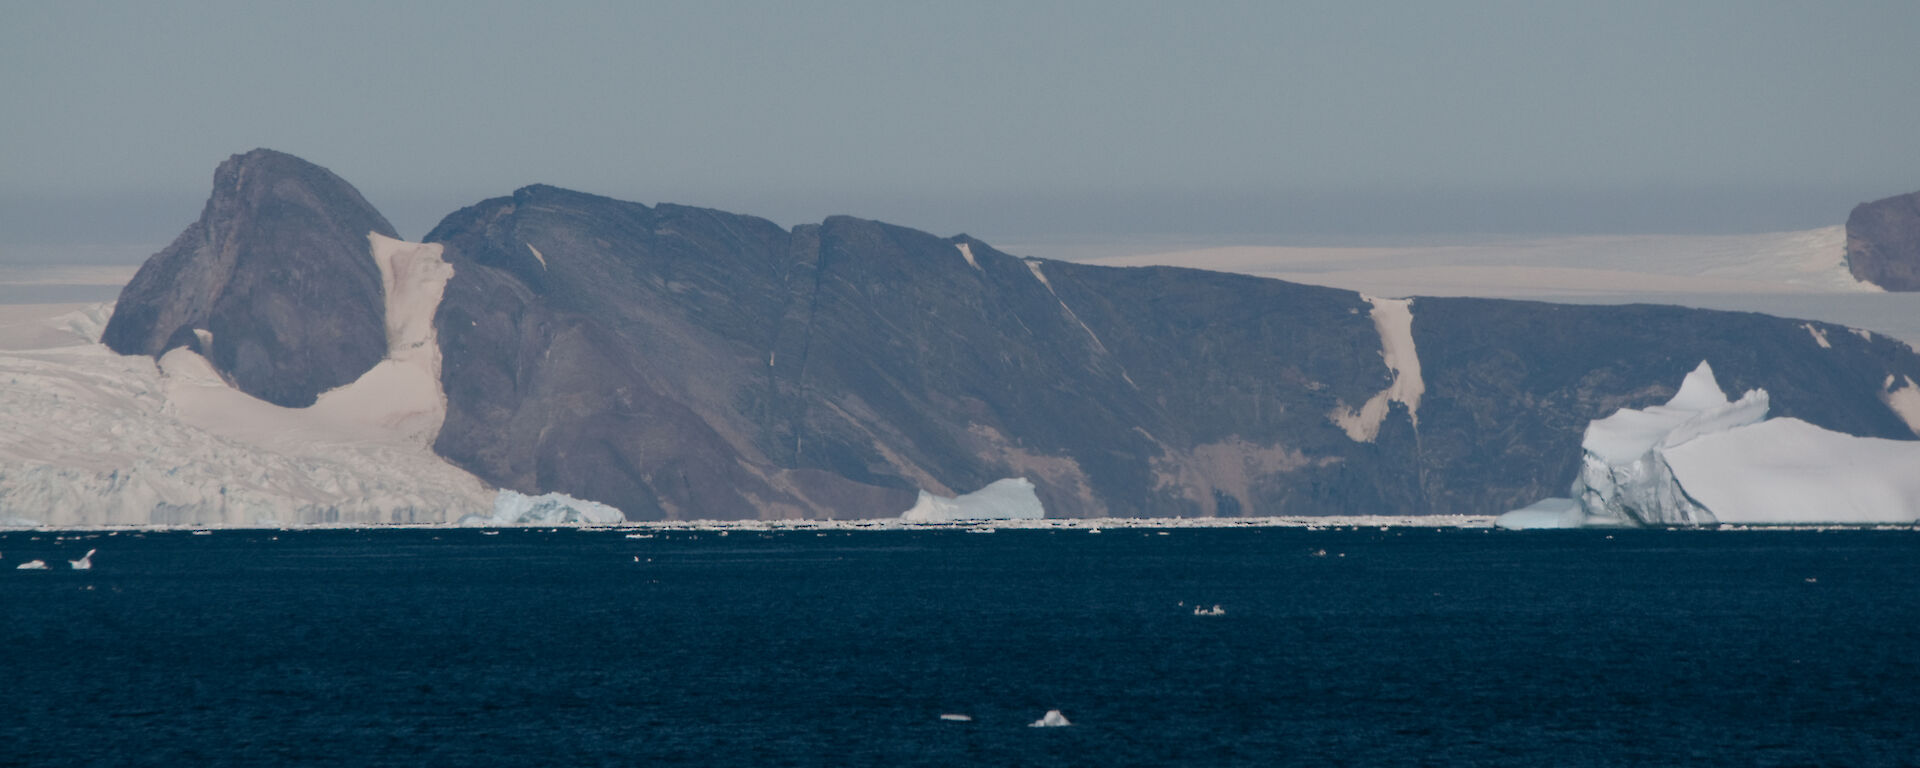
[
  {"x": 1702, "y": 459},
  {"x": 1009, "y": 499},
  {"x": 1053, "y": 719},
  {"x": 515, "y": 508}
]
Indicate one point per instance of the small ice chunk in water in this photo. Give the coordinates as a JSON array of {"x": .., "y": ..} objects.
[
  {"x": 1053, "y": 719},
  {"x": 1214, "y": 611},
  {"x": 85, "y": 562},
  {"x": 957, "y": 718},
  {"x": 32, "y": 565}
]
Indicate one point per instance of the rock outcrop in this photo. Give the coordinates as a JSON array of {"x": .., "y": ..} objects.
[
  {"x": 1883, "y": 242},
  {"x": 274, "y": 284},
  {"x": 682, "y": 362}
]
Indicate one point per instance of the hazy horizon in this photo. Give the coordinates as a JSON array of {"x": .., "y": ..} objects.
[{"x": 1016, "y": 123}]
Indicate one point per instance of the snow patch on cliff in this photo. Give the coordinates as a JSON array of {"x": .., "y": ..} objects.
[
  {"x": 967, "y": 253},
  {"x": 1393, "y": 319},
  {"x": 1904, "y": 400},
  {"x": 1034, "y": 267},
  {"x": 397, "y": 402}
]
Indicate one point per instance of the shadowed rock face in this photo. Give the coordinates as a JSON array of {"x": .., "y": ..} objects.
[
  {"x": 278, "y": 270},
  {"x": 1883, "y": 242},
  {"x": 681, "y": 362},
  {"x": 684, "y": 362}
]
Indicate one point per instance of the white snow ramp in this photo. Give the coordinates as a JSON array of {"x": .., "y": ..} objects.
[{"x": 1393, "y": 318}]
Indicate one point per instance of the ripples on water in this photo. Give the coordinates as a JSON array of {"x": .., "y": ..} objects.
[{"x": 413, "y": 647}]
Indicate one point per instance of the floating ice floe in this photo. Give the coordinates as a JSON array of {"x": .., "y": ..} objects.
[
  {"x": 956, "y": 718},
  {"x": 1702, "y": 459},
  {"x": 32, "y": 565},
  {"x": 1053, "y": 719},
  {"x": 1009, "y": 499},
  {"x": 85, "y": 562}
]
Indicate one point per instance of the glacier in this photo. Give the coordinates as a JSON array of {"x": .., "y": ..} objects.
[
  {"x": 1703, "y": 459},
  {"x": 1011, "y": 498},
  {"x": 91, "y": 438}
]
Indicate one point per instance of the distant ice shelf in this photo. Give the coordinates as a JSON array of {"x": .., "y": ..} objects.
[{"x": 1702, "y": 459}]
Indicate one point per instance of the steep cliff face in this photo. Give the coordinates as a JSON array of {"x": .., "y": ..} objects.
[
  {"x": 610, "y": 351},
  {"x": 691, "y": 363},
  {"x": 684, "y": 362},
  {"x": 1883, "y": 242},
  {"x": 276, "y": 274}
]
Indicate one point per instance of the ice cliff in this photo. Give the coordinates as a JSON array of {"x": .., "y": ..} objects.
[{"x": 1702, "y": 459}]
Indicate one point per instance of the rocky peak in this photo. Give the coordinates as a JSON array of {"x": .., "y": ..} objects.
[
  {"x": 1883, "y": 242},
  {"x": 277, "y": 271}
]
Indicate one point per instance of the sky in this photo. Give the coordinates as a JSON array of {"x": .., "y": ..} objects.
[{"x": 1016, "y": 122}]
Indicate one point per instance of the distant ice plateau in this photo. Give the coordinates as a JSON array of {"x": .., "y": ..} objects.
[{"x": 1801, "y": 273}]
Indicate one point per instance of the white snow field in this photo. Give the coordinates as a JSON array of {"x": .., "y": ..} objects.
[
  {"x": 91, "y": 438},
  {"x": 1792, "y": 274},
  {"x": 54, "y": 281},
  {"x": 1006, "y": 499},
  {"x": 1702, "y": 459},
  {"x": 1774, "y": 262}
]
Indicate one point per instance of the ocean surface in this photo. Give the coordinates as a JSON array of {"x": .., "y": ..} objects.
[{"x": 794, "y": 648}]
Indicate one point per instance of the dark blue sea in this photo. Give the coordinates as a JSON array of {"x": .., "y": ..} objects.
[{"x": 1400, "y": 647}]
